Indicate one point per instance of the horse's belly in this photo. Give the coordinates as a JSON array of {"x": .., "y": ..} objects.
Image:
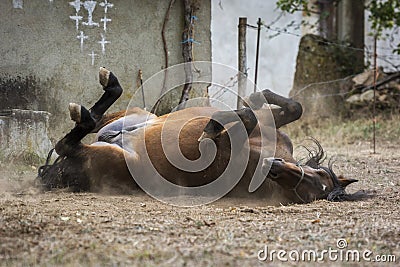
[{"x": 127, "y": 123}]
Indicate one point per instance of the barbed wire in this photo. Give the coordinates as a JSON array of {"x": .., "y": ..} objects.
[
  {"x": 366, "y": 50},
  {"x": 323, "y": 83},
  {"x": 381, "y": 48},
  {"x": 342, "y": 45},
  {"x": 234, "y": 80},
  {"x": 223, "y": 88},
  {"x": 390, "y": 63},
  {"x": 276, "y": 19}
]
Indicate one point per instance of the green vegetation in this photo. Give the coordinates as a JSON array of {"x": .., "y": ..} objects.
[{"x": 384, "y": 15}]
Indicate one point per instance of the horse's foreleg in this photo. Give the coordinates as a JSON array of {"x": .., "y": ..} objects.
[
  {"x": 288, "y": 111},
  {"x": 86, "y": 120}
]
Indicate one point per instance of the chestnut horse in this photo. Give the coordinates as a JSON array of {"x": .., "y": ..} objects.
[{"x": 126, "y": 139}]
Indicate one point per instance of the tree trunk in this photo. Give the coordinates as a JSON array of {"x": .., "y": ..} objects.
[
  {"x": 328, "y": 14},
  {"x": 350, "y": 26}
]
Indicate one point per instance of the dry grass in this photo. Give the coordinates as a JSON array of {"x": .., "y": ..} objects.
[
  {"x": 69, "y": 229},
  {"x": 342, "y": 132}
]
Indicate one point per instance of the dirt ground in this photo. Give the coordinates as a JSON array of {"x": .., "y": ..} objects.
[{"x": 61, "y": 228}]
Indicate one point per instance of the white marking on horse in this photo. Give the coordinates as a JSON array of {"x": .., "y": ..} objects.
[{"x": 128, "y": 123}]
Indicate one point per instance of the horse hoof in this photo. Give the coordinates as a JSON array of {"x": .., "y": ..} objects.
[
  {"x": 255, "y": 100},
  {"x": 104, "y": 76},
  {"x": 75, "y": 112}
]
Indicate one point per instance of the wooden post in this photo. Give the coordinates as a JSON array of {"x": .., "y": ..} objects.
[
  {"x": 242, "y": 61},
  {"x": 141, "y": 86},
  {"x": 257, "y": 53},
  {"x": 374, "y": 105}
]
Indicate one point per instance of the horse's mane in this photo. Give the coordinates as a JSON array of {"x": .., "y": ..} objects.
[{"x": 316, "y": 154}]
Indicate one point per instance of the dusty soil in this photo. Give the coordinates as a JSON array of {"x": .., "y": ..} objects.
[{"x": 61, "y": 228}]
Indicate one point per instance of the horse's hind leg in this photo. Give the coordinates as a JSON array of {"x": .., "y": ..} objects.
[
  {"x": 112, "y": 91},
  {"x": 288, "y": 111},
  {"x": 219, "y": 119},
  {"x": 86, "y": 120}
]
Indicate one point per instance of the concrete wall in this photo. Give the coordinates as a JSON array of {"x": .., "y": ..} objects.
[
  {"x": 43, "y": 65},
  {"x": 24, "y": 135}
]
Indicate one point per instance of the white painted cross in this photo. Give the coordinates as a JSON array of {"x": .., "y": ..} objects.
[
  {"x": 92, "y": 55},
  {"x": 82, "y": 37},
  {"x": 103, "y": 43},
  {"x": 77, "y": 19},
  {"x": 77, "y": 5},
  {"x": 105, "y": 20},
  {"x": 90, "y": 6},
  {"x": 106, "y": 5}
]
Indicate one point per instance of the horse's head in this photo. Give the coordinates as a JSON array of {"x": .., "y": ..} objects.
[
  {"x": 305, "y": 183},
  {"x": 309, "y": 181},
  {"x": 63, "y": 173}
]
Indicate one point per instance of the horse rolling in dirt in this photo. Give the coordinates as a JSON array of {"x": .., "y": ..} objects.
[{"x": 103, "y": 164}]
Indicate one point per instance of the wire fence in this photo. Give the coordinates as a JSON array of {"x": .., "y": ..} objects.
[
  {"x": 370, "y": 54},
  {"x": 367, "y": 50}
]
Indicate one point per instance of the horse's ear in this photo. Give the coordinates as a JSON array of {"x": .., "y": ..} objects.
[{"x": 343, "y": 181}]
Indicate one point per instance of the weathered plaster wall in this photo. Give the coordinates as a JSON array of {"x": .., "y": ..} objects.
[
  {"x": 24, "y": 135},
  {"x": 44, "y": 65}
]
